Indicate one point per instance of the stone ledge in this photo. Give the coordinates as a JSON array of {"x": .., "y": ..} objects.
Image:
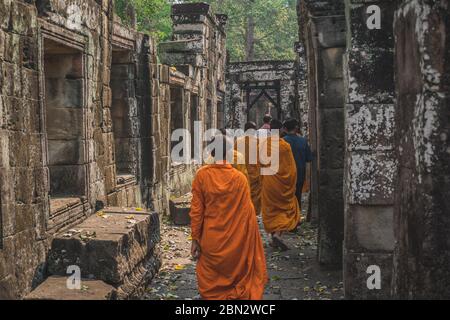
[
  {"x": 55, "y": 288},
  {"x": 124, "y": 239}
]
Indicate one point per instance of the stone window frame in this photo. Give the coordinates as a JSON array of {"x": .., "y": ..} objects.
[
  {"x": 65, "y": 37},
  {"x": 181, "y": 87},
  {"x": 121, "y": 41}
]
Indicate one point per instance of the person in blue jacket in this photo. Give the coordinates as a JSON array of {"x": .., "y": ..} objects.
[{"x": 300, "y": 150}]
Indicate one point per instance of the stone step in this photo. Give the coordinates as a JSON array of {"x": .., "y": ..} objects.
[
  {"x": 115, "y": 245},
  {"x": 55, "y": 288},
  {"x": 179, "y": 210}
]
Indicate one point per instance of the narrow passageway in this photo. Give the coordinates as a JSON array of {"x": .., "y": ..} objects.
[{"x": 294, "y": 274}]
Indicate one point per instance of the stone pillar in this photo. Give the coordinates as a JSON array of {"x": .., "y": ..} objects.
[
  {"x": 369, "y": 160},
  {"x": 233, "y": 100},
  {"x": 302, "y": 87},
  {"x": 323, "y": 25},
  {"x": 422, "y": 207}
]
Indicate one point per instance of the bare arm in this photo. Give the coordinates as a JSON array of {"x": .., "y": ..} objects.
[{"x": 197, "y": 216}]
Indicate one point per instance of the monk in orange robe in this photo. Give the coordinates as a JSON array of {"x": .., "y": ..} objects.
[
  {"x": 280, "y": 208},
  {"x": 238, "y": 162},
  {"x": 225, "y": 236},
  {"x": 250, "y": 144}
]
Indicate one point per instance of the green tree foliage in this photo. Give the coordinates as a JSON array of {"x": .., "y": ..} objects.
[
  {"x": 259, "y": 29},
  {"x": 151, "y": 16}
]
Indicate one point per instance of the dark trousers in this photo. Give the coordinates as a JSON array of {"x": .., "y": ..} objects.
[{"x": 298, "y": 194}]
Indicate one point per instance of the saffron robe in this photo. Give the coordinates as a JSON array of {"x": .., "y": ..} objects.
[
  {"x": 280, "y": 208},
  {"x": 232, "y": 264},
  {"x": 238, "y": 163},
  {"x": 253, "y": 168}
]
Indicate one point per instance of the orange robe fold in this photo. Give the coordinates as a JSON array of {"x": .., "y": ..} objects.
[
  {"x": 280, "y": 208},
  {"x": 238, "y": 163},
  {"x": 250, "y": 143},
  {"x": 232, "y": 264}
]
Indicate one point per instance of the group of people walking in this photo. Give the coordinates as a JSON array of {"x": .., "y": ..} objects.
[{"x": 227, "y": 198}]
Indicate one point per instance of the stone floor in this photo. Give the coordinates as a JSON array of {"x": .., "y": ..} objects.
[{"x": 294, "y": 274}]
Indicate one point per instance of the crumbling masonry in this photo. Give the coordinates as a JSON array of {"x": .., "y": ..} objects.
[
  {"x": 87, "y": 112},
  {"x": 86, "y": 115},
  {"x": 378, "y": 105}
]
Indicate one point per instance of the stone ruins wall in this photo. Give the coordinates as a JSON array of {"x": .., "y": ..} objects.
[
  {"x": 86, "y": 114},
  {"x": 370, "y": 160},
  {"x": 302, "y": 87},
  {"x": 195, "y": 67},
  {"x": 322, "y": 36},
  {"x": 396, "y": 123},
  {"x": 279, "y": 76},
  {"x": 422, "y": 121}
]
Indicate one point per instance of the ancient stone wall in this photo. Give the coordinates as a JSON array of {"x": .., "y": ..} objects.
[
  {"x": 322, "y": 26},
  {"x": 246, "y": 81},
  {"x": 195, "y": 70},
  {"x": 370, "y": 161},
  {"x": 301, "y": 65},
  {"x": 23, "y": 197},
  {"x": 85, "y": 121},
  {"x": 396, "y": 147},
  {"x": 422, "y": 120}
]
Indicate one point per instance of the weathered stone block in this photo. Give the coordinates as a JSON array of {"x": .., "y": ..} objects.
[
  {"x": 331, "y": 31},
  {"x": 17, "y": 114},
  {"x": 67, "y": 179},
  {"x": 13, "y": 52},
  {"x": 12, "y": 84},
  {"x": 23, "y": 185},
  {"x": 176, "y": 58},
  {"x": 66, "y": 123},
  {"x": 30, "y": 83},
  {"x": 356, "y": 276},
  {"x": 5, "y": 13},
  {"x": 122, "y": 89},
  {"x": 330, "y": 185},
  {"x": 332, "y": 139},
  {"x": 191, "y": 46},
  {"x": 20, "y": 156},
  {"x": 119, "y": 246},
  {"x": 4, "y": 149},
  {"x": 422, "y": 129},
  {"x": 65, "y": 152},
  {"x": 332, "y": 63},
  {"x": 122, "y": 71},
  {"x": 370, "y": 178},
  {"x": 370, "y": 228},
  {"x": 370, "y": 56},
  {"x": 23, "y": 18},
  {"x": 369, "y": 127},
  {"x": 55, "y": 288}
]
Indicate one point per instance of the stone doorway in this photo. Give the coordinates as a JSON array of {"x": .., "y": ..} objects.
[
  {"x": 124, "y": 114},
  {"x": 63, "y": 89},
  {"x": 262, "y": 99}
]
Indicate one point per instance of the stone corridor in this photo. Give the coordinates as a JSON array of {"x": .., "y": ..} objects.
[
  {"x": 293, "y": 275},
  {"x": 88, "y": 106}
]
